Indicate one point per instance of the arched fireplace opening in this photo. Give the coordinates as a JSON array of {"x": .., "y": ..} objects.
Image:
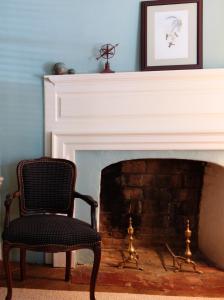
[{"x": 161, "y": 194}]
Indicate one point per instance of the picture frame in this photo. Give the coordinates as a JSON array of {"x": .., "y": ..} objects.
[{"x": 171, "y": 34}]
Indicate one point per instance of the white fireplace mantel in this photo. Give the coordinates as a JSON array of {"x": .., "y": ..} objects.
[
  {"x": 136, "y": 111},
  {"x": 167, "y": 110}
]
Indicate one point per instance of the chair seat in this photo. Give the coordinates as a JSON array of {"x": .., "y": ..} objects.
[{"x": 50, "y": 229}]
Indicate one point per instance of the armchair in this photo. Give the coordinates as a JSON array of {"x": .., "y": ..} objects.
[{"x": 46, "y": 200}]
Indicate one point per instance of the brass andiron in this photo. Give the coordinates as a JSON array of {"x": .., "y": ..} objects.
[
  {"x": 132, "y": 257},
  {"x": 188, "y": 252},
  {"x": 179, "y": 261}
]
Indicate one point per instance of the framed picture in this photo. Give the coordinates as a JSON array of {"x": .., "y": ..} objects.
[{"x": 171, "y": 35}]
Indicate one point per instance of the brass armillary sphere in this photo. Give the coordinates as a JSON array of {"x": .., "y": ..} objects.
[{"x": 107, "y": 51}]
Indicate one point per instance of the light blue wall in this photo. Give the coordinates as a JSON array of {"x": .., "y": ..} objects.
[{"x": 36, "y": 34}]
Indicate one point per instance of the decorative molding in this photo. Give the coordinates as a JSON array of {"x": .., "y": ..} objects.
[
  {"x": 171, "y": 107},
  {"x": 65, "y": 144}
]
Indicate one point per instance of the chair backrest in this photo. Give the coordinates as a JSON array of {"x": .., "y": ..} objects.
[{"x": 46, "y": 185}]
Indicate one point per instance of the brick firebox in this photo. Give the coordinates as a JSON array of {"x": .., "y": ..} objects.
[{"x": 164, "y": 193}]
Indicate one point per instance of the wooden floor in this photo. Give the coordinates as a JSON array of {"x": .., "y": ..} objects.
[{"x": 153, "y": 280}]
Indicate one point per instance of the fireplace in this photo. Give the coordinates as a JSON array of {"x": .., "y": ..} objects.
[
  {"x": 98, "y": 120},
  {"x": 160, "y": 194}
]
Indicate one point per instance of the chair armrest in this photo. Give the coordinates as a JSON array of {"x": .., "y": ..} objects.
[
  {"x": 93, "y": 204},
  {"x": 8, "y": 201}
]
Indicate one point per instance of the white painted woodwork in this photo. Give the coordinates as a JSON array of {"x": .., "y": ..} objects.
[
  {"x": 167, "y": 110},
  {"x": 183, "y": 107}
]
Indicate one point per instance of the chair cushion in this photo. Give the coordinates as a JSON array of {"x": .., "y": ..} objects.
[{"x": 50, "y": 229}]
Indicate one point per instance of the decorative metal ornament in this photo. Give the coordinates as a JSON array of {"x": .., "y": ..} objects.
[
  {"x": 106, "y": 52},
  {"x": 1, "y": 181}
]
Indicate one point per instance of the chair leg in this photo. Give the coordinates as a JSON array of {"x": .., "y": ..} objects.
[
  {"x": 68, "y": 266},
  {"x": 8, "y": 271},
  {"x": 22, "y": 264},
  {"x": 96, "y": 265}
]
